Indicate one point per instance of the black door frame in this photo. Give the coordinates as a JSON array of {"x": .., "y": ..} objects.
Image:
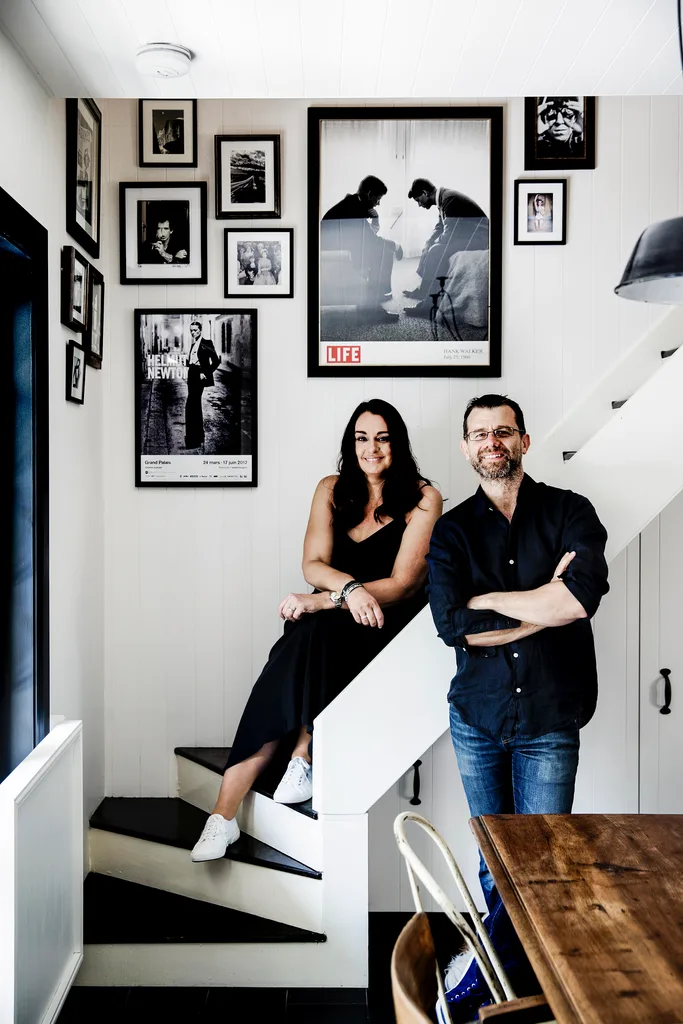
[{"x": 26, "y": 234}]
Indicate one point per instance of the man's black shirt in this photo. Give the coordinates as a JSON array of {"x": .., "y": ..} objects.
[{"x": 548, "y": 680}]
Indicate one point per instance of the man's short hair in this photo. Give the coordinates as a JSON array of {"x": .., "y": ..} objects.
[
  {"x": 372, "y": 186},
  {"x": 493, "y": 402},
  {"x": 196, "y": 323},
  {"x": 419, "y": 186}
]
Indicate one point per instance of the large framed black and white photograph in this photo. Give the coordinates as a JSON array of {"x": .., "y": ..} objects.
[
  {"x": 163, "y": 232},
  {"x": 93, "y": 335},
  {"x": 559, "y": 133},
  {"x": 75, "y": 372},
  {"x": 167, "y": 133},
  {"x": 540, "y": 211},
  {"x": 195, "y": 397},
  {"x": 83, "y": 173},
  {"x": 74, "y": 289},
  {"x": 247, "y": 177},
  {"x": 258, "y": 263},
  {"x": 405, "y": 230}
]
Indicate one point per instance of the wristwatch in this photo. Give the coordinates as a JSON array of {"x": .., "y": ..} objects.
[{"x": 336, "y": 598}]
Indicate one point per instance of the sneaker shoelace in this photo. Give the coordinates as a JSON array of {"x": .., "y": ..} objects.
[
  {"x": 213, "y": 828},
  {"x": 297, "y": 772}
]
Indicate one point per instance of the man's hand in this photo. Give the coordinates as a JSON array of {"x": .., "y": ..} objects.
[
  {"x": 398, "y": 252},
  {"x": 562, "y": 565},
  {"x": 181, "y": 254}
]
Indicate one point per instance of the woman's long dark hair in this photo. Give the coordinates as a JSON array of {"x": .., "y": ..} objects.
[{"x": 403, "y": 481}]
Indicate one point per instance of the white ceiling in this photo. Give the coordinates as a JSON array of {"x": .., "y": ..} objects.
[{"x": 353, "y": 48}]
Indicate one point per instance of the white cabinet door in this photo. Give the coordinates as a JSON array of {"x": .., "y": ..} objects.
[{"x": 661, "y": 647}]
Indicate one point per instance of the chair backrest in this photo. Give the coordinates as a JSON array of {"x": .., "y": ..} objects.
[{"x": 413, "y": 972}]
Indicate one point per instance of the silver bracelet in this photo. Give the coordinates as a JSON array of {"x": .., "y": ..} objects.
[{"x": 349, "y": 588}]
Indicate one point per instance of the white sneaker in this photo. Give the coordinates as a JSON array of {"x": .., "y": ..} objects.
[
  {"x": 296, "y": 784},
  {"x": 219, "y": 833}
]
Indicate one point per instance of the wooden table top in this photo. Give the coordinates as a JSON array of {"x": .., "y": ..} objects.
[{"x": 597, "y": 901}]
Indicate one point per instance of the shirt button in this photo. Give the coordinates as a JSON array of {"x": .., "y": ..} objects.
[
  {"x": 515, "y": 655},
  {"x": 518, "y": 690},
  {"x": 512, "y": 561}
]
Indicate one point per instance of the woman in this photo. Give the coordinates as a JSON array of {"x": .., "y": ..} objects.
[
  {"x": 364, "y": 553},
  {"x": 265, "y": 268}
]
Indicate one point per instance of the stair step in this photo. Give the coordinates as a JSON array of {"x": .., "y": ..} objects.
[
  {"x": 174, "y": 822},
  {"x": 117, "y": 911},
  {"x": 568, "y": 455},
  {"x": 666, "y": 352},
  {"x": 214, "y": 758},
  {"x": 618, "y": 405}
]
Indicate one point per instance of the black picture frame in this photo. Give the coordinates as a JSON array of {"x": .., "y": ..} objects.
[
  {"x": 93, "y": 335},
  {"x": 248, "y": 173},
  {"x": 346, "y": 357},
  {"x": 74, "y": 289},
  {"x": 75, "y": 365},
  {"x": 540, "y": 223},
  {"x": 84, "y": 173},
  {"x": 541, "y": 152},
  {"x": 228, "y": 455},
  {"x": 181, "y": 202},
  {"x": 174, "y": 114},
  {"x": 276, "y": 281}
]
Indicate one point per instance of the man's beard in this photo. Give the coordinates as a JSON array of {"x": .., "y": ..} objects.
[{"x": 502, "y": 470}]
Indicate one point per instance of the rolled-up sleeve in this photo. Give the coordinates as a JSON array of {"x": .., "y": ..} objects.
[
  {"x": 449, "y": 588},
  {"x": 586, "y": 574}
]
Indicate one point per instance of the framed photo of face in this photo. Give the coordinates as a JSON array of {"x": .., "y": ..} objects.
[
  {"x": 405, "y": 241},
  {"x": 74, "y": 289},
  {"x": 75, "y": 372},
  {"x": 93, "y": 336},
  {"x": 167, "y": 133},
  {"x": 540, "y": 212},
  {"x": 195, "y": 398},
  {"x": 247, "y": 177},
  {"x": 83, "y": 173},
  {"x": 163, "y": 232},
  {"x": 258, "y": 264},
  {"x": 559, "y": 133}
]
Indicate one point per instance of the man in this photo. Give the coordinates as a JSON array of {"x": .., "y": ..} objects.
[
  {"x": 516, "y": 572},
  {"x": 202, "y": 360},
  {"x": 353, "y": 225},
  {"x": 560, "y": 127},
  {"x": 461, "y": 225},
  {"x": 162, "y": 248}
]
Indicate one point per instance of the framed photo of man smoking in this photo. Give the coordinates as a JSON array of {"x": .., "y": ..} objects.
[
  {"x": 163, "y": 232},
  {"x": 195, "y": 398},
  {"x": 83, "y": 173},
  {"x": 559, "y": 133},
  {"x": 405, "y": 241},
  {"x": 167, "y": 133}
]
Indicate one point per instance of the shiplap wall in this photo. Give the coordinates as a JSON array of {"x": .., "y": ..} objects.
[
  {"x": 32, "y": 169},
  {"x": 193, "y": 578}
]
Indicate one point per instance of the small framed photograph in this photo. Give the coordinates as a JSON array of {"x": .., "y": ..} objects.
[
  {"x": 540, "y": 212},
  {"x": 258, "y": 264},
  {"x": 163, "y": 232},
  {"x": 195, "y": 398},
  {"x": 75, "y": 372},
  {"x": 83, "y": 173},
  {"x": 93, "y": 336},
  {"x": 74, "y": 289},
  {"x": 247, "y": 176},
  {"x": 167, "y": 133},
  {"x": 559, "y": 133}
]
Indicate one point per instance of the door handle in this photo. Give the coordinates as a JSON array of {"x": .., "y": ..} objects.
[
  {"x": 666, "y": 706},
  {"x": 416, "y": 784}
]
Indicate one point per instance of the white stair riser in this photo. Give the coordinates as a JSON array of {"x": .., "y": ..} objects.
[
  {"x": 242, "y": 965},
  {"x": 279, "y": 826},
  {"x": 278, "y": 895}
]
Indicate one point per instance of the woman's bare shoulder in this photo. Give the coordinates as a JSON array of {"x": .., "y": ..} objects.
[{"x": 431, "y": 497}]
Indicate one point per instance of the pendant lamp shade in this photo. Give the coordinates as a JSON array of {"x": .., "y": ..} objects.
[{"x": 654, "y": 273}]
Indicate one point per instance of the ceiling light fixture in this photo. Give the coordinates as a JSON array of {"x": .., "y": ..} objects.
[{"x": 163, "y": 60}]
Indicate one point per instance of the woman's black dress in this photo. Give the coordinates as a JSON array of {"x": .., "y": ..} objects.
[{"x": 318, "y": 655}]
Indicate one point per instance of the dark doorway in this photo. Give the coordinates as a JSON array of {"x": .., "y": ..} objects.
[{"x": 24, "y": 637}]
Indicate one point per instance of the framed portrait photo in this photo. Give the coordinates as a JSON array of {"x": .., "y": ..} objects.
[
  {"x": 247, "y": 177},
  {"x": 167, "y": 133},
  {"x": 163, "y": 232},
  {"x": 540, "y": 212},
  {"x": 93, "y": 335},
  {"x": 74, "y": 289},
  {"x": 405, "y": 241},
  {"x": 259, "y": 264},
  {"x": 559, "y": 133},
  {"x": 83, "y": 173},
  {"x": 75, "y": 372},
  {"x": 195, "y": 398}
]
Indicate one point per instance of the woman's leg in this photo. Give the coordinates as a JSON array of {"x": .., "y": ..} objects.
[
  {"x": 303, "y": 745},
  {"x": 239, "y": 778}
]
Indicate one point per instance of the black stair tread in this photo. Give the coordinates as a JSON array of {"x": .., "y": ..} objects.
[
  {"x": 174, "y": 822},
  {"x": 117, "y": 911},
  {"x": 215, "y": 758}
]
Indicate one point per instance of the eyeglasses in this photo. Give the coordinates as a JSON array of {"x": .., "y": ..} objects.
[{"x": 499, "y": 433}]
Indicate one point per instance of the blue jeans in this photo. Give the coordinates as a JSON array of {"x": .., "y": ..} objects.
[{"x": 514, "y": 775}]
